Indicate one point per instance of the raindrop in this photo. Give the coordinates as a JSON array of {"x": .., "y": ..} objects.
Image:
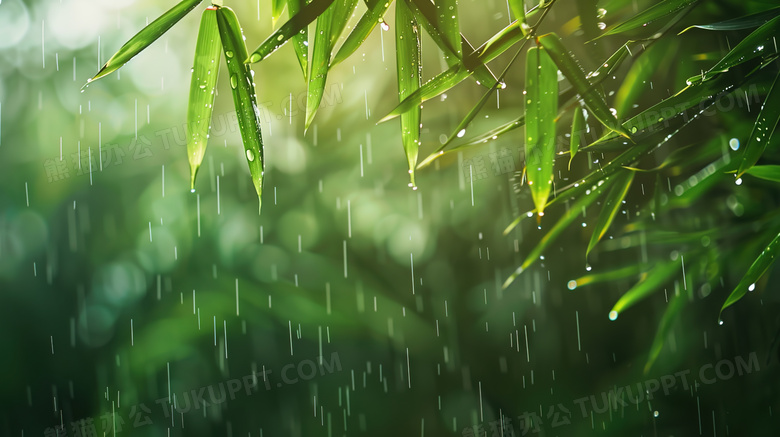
[
  {"x": 655, "y": 413},
  {"x": 734, "y": 144},
  {"x": 233, "y": 81},
  {"x": 255, "y": 57},
  {"x": 249, "y": 155},
  {"x": 572, "y": 284},
  {"x": 461, "y": 133},
  {"x": 229, "y": 53},
  {"x": 752, "y": 287},
  {"x": 613, "y": 315}
]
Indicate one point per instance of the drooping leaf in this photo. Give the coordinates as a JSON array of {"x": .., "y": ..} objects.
[
  {"x": 592, "y": 194},
  {"x": 763, "y": 129},
  {"x": 301, "y": 39},
  {"x": 650, "y": 282},
  {"x": 671, "y": 314},
  {"x": 635, "y": 81},
  {"x": 244, "y": 98},
  {"x": 653, "y": 13},
  {"x": 541, "y": 109},
  {"x": 767, "y": 172},
  {"x": 760, "y": 265},
  {"x": 609, "y": 276},
  {"x": 578, "y": 128},
  {"x": 611, "y": 207},
  {"x": 205, "y": 69},
  {"x": 292, "y": 27},
  {"x": 373, "y": 16},
  {"x": 329, "y": 27},
  {"x": 746, "y": 22},
  {"x": 145, "y": 37},
  {"x": 409, "y": 72},
  {"x": 760, "y": 42},
  {"x": 568, "y": 66},
  {"x": 448, "y": 23}
]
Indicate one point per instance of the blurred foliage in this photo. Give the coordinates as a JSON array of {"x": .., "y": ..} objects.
[{"x": 121, "y": 291}]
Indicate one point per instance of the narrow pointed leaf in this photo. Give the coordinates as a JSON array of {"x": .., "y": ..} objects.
[
  {"x": 205, "y": 70},
  {"x": 409, "y": 72},
  {"x": 672, "y": 313},
  {"x": 568, "y": 66},
  {"x": 746, "y": 22},
  {"x": 593, "y": 193},
  {"x": 541, "y": 109},
  {"x": 760, "y": 42},
  {"x": 635, "y": 81},
  {"x": 760, "y": 265},
  {"x": 518, "y": 10},
  {"x": 650, "y": 282},
  {"x": 292, "y": 27},
  {"x": 609, "y": 276},
  {"x": 653, "y": 13},
  {"x": 329, "y": 27},
  {"x": 145, "y": 37},
  {"x": 443, "y": 30},
  {"x": 300, "y": 40},
  {"x": 373, "y": 16},
  {"x": 611, "y": 207},
  {"x": 244, "y": 97},
  {"x": 766, "y": 172},
  {"x": 578, "y": 127},
  {"x": 763, "y": 129}
]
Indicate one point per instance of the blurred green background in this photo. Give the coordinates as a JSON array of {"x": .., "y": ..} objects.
[{"x": 121, "y": 290}]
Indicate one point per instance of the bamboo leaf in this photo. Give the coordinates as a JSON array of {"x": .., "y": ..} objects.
[
  {"x": 443, "y": 30},
  {"x": 292, "y": 27},
  {"x": 649, "y": 282},
  {"x": 409, "y": 72},
  {"x": 145, "y": 37},
  {"x": 568, "y": 66},
  {"x": 746, "y": 22},
  {"x": 609, "y": 276},
  {"x": 635, "y": 81},
  {"x": 541, "y": 109},
  {"x": 301, "y": 39},
  {"x": 611, "y": 207},
  {"x": 760, "y": 265},
  {"x": 752, "y": 46},
  {"x": 767, "y": 172},
  {"x": 329, "y": 27},
  {"x": 578, "y": 127},
  {"x": 244, "y": 98},
  {"x": 205, "y": 70},
  {"x": 653, "y": 13},
  {"x": 591, "y": 195},
  {"x": 763, "y": 129},
  {"x": 518, "y": 10},
  {"x": 373, "y": 16}
]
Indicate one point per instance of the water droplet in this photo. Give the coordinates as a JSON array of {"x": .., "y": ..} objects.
[
  {"x": 233, "y": 81},
  {"x": 249, "y": 155},
  {"x": 613, "y": 315},
  {"x": 572, "y": 284},
  {"x": 461, "y": 133},
  {"x": 633, "y": 130},
  {"x": 255, "y": 57},
  {"x": 655, "y": 413},
  {"x": 229, "y": 53},
  {"x": 384, "y": 25},
  {"x": 752, "y": 287}
]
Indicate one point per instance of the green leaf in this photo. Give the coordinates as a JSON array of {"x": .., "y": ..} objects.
[
  {"x": 329, "y": 27},
  {"x": 277, "y": 7},
  {"x": 568, "y": 66},
  {"x": 611, "y": 207},
  {"x": 635, "y": 80},
  {"x": 409, "y": 72},
  {"x": 145, "y": 37},
  {"x": 244, "y": 98},
  {"x": 763, "y": 129},
  {"x": 443, "y": 30},
  {"x": 373, "y": 16},
  {"x": 671, "y": 314},
  {"x": 301, "y": 39},
  {"x": 591, "y": 195},
  {"x": 609, "y": 276},
  {"x": 205, "y": 70},
  {"x": 577, "y": 132},
  {"x": 758, "y": 43},
  {"x": 653, "y": 13},
  {"x": 292, "y": 27},
  {"x": 746, "y": 22},
  {"x": 754, "y": 273},
  {"x": 518, "y": 10},
  {"x": 541, "y": 109},
  {"x": 767, "y": 172},
  {"x": 649, "y": 282}
]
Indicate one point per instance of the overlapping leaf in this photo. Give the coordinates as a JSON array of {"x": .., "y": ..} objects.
[
  {"x": 145, "y": 37},
  {"x": 205, "y": 70},
  {"x": 651, "y": 14},
  {"x": 578, "y": 127},
  {"x": 763, "y": 129},
  {"x": 746, "y": 22},
  {"x": 300, "y": 40},
  {"x": 766, "y": 172},
  {"x": 760, "y": 265},
  {"x": 244, "y": 98},
  {"x": 650, "y": 282},
  {"x": 373, "y": 16},
  {"x": 409, "y": 71},
  {"x": 611, "y": 207}
]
